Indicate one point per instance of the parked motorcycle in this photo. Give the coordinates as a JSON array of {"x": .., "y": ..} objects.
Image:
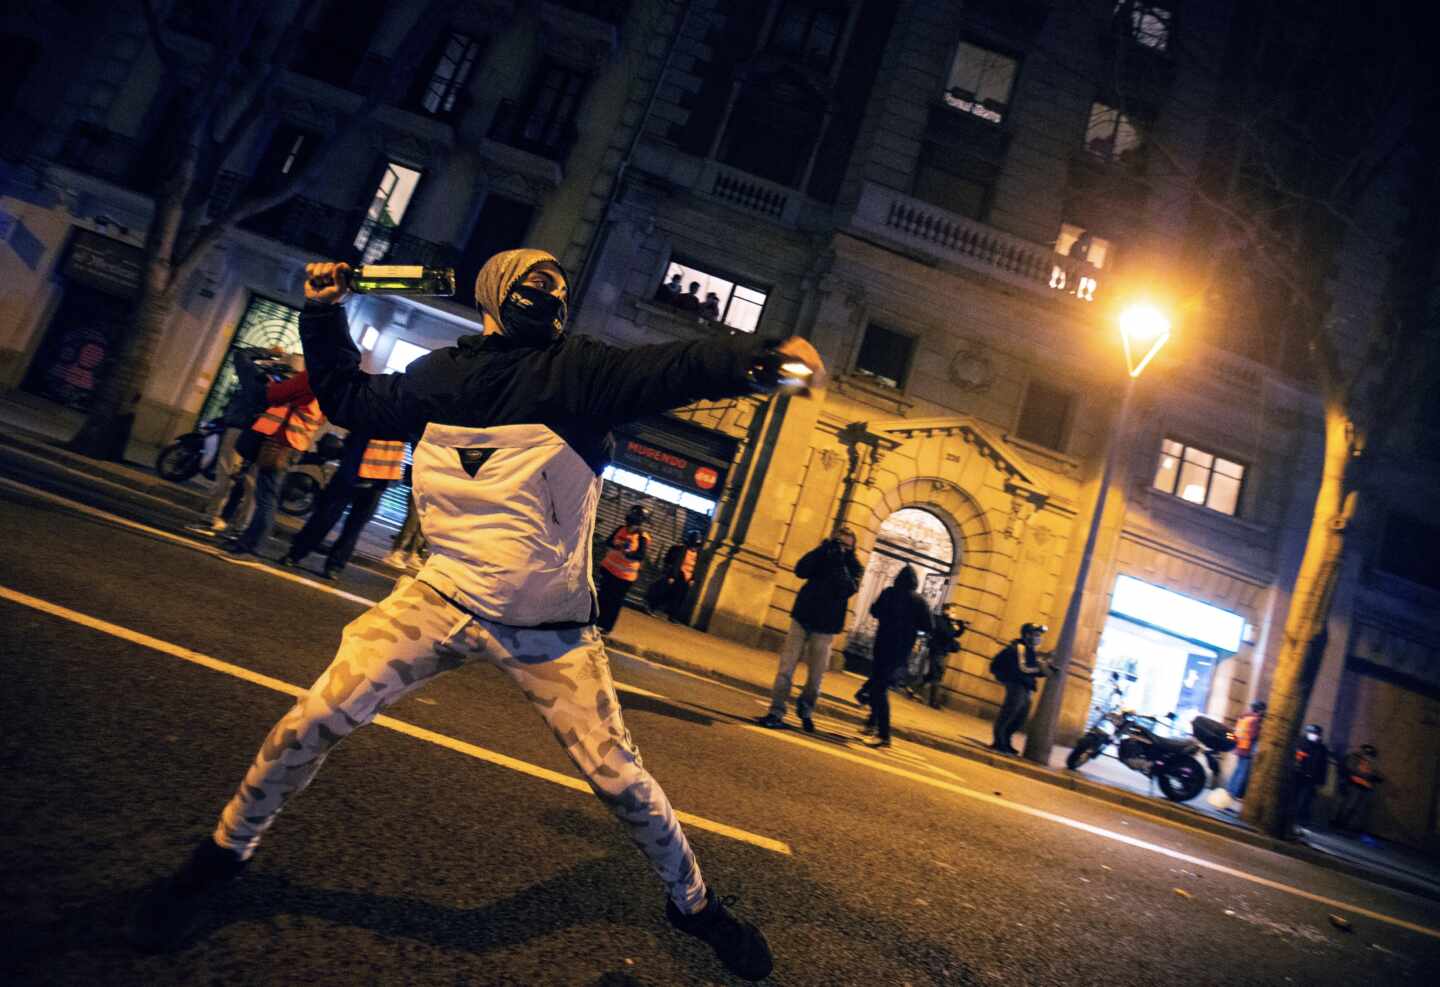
[
  {"x": 192, "y": 453},
  {"x": 1173, "y": 762},
  {"x": 300, "y": 490}
]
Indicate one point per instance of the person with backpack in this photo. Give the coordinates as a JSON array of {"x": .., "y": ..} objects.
[
  {"x": 1017, "y": 667},
  {"x": 944, "y": 640},
  {"x": 901, "y": 615}
]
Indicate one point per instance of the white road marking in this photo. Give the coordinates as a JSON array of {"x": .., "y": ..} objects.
[
  {"x": 182, "y": 541},
  {"x": 389, "y": 722},
  {"x": 876, "y": 765}
]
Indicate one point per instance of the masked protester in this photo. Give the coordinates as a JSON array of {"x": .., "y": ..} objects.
[
  {"x": 901, "y": 615},
  {"x": 513, "y": 432},
  {"x": 1311, "y": 768},
  {"x": 626, "y": 549},
  {"x": 1018, "y": 668},
  {"x": 1359, "y": 774}
]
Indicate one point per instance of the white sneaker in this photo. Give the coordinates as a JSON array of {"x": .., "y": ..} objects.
[{"x": 209, "y": 529}]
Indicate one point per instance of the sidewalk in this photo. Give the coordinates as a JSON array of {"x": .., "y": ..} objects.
[{"x": 31, "y": 451}]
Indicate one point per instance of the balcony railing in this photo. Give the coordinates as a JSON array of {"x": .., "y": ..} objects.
[
  {"x": 330, "y": 232},
  {"x": 746, "y": 192},
  {"x": 973, "y": 244}
]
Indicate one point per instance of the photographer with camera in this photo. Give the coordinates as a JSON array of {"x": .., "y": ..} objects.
[
  {"x": 945, "y": 632},
  {"x": 832, "y": 575}
]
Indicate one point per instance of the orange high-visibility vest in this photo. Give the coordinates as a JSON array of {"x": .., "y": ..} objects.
[
  {"x": 300, "y": 422},
  {"x": 615, "y": 562},
  {"x": 687, "y": 566},
  {"x": 383, "y": 459}
]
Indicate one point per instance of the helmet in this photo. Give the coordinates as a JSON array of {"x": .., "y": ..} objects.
[
  {"x": 1032, "y": 629},
  {"x": 1258, "y": 706},
  {"x": 638, "y": 514},
  {"x": 693, "y": 538}
]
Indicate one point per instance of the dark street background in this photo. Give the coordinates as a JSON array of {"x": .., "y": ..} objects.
[{"x": 409, "y": 862}]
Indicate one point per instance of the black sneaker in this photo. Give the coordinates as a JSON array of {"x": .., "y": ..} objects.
[
  {"x": 806, "y": 723},
  {"x": 738, "y": 944},
  {"x": 772, "y": 721},
  {"x": 168, "y": 911}
]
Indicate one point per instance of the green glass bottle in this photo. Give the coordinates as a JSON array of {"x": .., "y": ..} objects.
[{"x": 403, "y": 279}]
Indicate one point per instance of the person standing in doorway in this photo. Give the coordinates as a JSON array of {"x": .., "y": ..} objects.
[
  {"x": 1018, "y": 667},
  {"x": 1247, "y": 741},
  {"x": 901, "y": 614},
  {"x": 514, "y": 435},
  {"x": 625, "y": 553},
  {"x": 367, "y": 467},
  {"x": 945, "y": 631},
  {"x": 1359, "y": 774},
  {"x": 667, "y": 592},
  {"x": 832, "y": 575}
]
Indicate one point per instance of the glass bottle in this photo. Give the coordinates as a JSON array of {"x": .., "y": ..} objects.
[{"x": 402, "y": 279}]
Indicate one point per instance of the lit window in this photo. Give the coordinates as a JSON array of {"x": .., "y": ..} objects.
[
  {"x": 1081, "y": 248},
  {"x": 387, "y": 209},
  {"x": 447, "y": 79},
  {"x": 980, "y": 82},
  {"x": 658, "y": 489},
  {"x": 711, "y": 296},
  {"x": 1113, "y": 135},
  {"x": 402, "y": 355},
  {"x": 1149, "y": 25},
  {"x": 1199, "y": 477}
]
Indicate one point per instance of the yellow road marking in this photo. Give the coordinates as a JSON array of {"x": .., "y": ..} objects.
[
  {"x": 1091, "y": 829},
  {"x": 389, "y": 722}
]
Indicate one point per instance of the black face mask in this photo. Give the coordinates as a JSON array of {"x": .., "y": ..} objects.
[{"x": 532, "y": 317}]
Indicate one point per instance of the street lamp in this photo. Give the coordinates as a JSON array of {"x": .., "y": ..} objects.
[{"x": 1143, "y": 330}]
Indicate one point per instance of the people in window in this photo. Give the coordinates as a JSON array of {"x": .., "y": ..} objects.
[
  {"x": 669, "y": 291},
  {"x": 711, "y": 307},
  {"x": 690, "y": 301}
]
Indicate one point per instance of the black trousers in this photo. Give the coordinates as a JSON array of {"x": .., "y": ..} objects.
[
  {"x": 1014, "y": 711},
  {"x": 877, "y": 693},
  {"x": 361, "y": 496},
  {"x": 610, "y": 596},
  {"x": 668, "y": 594}
]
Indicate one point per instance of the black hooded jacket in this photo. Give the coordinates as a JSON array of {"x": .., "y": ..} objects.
[{"x": 901, "y": 614}]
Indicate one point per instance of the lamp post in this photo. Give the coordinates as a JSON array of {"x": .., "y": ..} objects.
[{"x": 1143, "y": 330}]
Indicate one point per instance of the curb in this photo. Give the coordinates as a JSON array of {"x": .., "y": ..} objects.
[
  {"x": 1165, "y": 811},
  {"x": 60, "y": 471}
]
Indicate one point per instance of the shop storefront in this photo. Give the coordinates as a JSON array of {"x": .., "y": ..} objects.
[
  {"x": 677, "y": 471},
  {"x": 1159, "y": 651},
  {"x": 100, "y": 280}
]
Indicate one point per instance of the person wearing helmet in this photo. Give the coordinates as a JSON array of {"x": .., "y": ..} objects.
[
  {"x": 1247, "y": 742},
  {"x": 512, "y": 432},
  {"x": 1018, "y": 668},
  {"x": 1359, "y": 774},
  {"x": 625, "y": 553},
  {"x": 667, "y": 592},
  {"x": 1311, "y": 768}
]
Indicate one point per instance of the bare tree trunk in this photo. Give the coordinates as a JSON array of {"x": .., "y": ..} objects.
[{"x": 1267, "y": 796}]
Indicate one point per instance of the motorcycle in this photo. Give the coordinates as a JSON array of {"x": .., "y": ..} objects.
[
  {"x": 1172, "y": 762},
  {"x": 192, "y": 453},
  {"x": 300, "y": 490}
]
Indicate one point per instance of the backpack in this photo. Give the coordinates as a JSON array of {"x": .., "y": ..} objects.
[{"x": 998, "y": 665}]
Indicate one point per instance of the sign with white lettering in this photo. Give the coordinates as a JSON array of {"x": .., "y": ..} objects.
[
  {"x": 103, "y": 262},
  {"x": 682, "y": 471}
]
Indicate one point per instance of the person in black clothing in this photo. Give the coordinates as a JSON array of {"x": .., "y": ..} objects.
[
  {"x": 625, "y": 552},
  {"x": 832, "y": 575},
  {"x": 1018, "y": 668},
  {"x": 347, "y": 488},
  {"x": 669, "y": 291},
  {"x": 690, "y": 301},
  {"x": 513, "y": 434},
  {"x": 945, "y": 632},
  {"x": 901, "y": 614},
  {"x": 1312, "y": 769},
  {"x": 677, "y": 571}
]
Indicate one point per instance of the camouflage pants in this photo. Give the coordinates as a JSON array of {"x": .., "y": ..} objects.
[{"x": 414, "y": 635}]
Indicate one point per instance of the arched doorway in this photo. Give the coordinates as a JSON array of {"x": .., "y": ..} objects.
[{"x": 911, "y": 536}]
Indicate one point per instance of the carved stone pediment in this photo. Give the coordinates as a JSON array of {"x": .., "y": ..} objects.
[{"x": 1020, "y": 479}]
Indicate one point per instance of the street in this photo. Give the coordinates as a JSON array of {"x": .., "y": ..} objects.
[{"x": 449, "y": 844}]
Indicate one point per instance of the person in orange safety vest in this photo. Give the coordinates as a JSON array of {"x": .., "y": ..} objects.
[
  {"x": 288, "y": 425},
  {"x": 1358, "y": 777},
  {"x": 1247, "y": 737},
  {"x": 626, "y": 549},
  {"x": 677, "y": 572},
  {"x": 367, "y": 467}
]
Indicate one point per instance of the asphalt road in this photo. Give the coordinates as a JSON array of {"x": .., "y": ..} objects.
[{"x": 417, "y": 858}]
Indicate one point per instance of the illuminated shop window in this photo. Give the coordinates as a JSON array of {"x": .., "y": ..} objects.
[{"x": 658, "y": 489}]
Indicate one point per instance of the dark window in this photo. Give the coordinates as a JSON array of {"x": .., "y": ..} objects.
[
  {"x": 964, "y": 190},
  {"x": 290, "y": 148},
  {"x": 1200, "y": 477},
  {"x": 1045, "y": 416},
  {"x": 980, "y": 82},
  {"x": 1408, "y": 549},
  {"x": 501, "y": 225},
  {"x": 544, "y": 123},
  {"x": 334, "y": 47},
  {"x": 807, "y": 32},
  {"x": 1114, "y": 136},
  {"x": 772, "y": 130},
  {"x": 449, "y": 69},
  {"x": 885, "y": 356}
]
